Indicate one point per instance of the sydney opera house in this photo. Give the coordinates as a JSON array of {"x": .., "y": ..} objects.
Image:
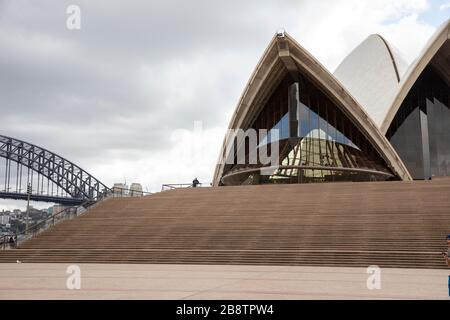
[
  {"x": 377, "y": 131},
  {"x": 374, "y": 119}
]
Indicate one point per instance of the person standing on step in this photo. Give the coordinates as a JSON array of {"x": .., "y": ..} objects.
[
  {"x": 195, "y": 183},
  {"x": 447, "y": 260},
  {"x": 12, "y": 242}
]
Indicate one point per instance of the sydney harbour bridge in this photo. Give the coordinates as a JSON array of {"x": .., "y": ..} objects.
[{"x": 28, "y": 171}]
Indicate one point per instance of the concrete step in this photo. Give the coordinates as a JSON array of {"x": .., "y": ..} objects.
[{"x": 390, "y": 224}]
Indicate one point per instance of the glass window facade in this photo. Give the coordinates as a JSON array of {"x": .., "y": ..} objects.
[
  {"x": 420, "y": 131},
  {"x": 317, "y": 141}
]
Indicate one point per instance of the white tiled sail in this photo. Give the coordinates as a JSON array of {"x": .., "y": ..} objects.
[{"x": 371, "y": 73}]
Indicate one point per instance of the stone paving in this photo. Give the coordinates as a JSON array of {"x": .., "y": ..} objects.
[{"x": 157, "y": 281}]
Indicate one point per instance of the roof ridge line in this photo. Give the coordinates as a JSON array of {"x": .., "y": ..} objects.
[{"x": 394, "y": 63}]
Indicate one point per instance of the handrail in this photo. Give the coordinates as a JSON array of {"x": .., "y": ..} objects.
[
  {"x": 44, "y": 224},
  {"x": 73, "y": 211},
  {"x": 85, "y": 204},
  {"x": 126, "y": 192},
  {"x": 67, "y": 213},
  {"x": 171, "y": 186}
]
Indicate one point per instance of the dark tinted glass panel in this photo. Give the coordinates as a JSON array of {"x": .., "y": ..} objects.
[
  {"x": 407, "y": 141},
  {"x": 420, "y": 131}
]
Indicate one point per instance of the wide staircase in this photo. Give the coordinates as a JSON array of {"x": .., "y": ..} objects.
[{"x": 389, "y": 224}]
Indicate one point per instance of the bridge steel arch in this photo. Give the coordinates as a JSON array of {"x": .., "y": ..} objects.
[{"x": 76, "y": 182}]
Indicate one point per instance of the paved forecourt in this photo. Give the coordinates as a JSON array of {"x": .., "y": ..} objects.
[{"x": 158, "y": 281}]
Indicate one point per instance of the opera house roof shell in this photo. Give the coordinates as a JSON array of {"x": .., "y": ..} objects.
[{"x": 367, "y": 89}]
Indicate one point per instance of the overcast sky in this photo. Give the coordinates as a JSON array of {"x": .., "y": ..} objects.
[{"x": 120, "y": 96}]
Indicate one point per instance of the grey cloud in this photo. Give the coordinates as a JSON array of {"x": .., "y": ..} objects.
[
  {"x": 135, "y": 72},
  {"x": 87, "y": 80}
]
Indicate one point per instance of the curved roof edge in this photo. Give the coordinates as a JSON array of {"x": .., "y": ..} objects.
[
  {"x": 393, "y": 58},
  {"x": 286, "y": 50},
  {"x": 414, "y": 71},
  {"x": 399, "y": 60}
]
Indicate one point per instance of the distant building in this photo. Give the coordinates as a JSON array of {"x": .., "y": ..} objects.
[
  {"x": 6, "y": 213},
  {"x": 4, "y": 219},
  {"x": 136, "y": 190},
  {"x": 120, "y": 189},
  {"x": 55, "y": 209}
]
